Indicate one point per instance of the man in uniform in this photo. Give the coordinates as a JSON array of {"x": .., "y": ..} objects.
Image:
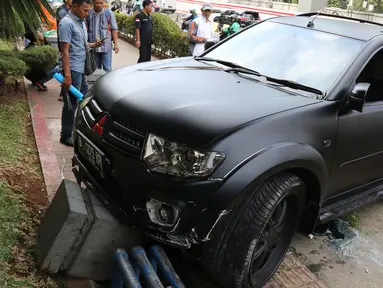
[{"x": 144, "y": 31}]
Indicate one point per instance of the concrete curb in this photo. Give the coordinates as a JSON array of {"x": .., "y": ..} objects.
[{"x": 48, "y": 160}]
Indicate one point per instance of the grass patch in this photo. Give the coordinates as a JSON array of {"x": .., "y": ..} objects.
[
  {"x": 12, "y": 213},
  {"x": 13, "y": 140},
  {"x": 352, "y": 219},
  {"x": 315, "y": 268},
  {"x": 20, "y": 181}
]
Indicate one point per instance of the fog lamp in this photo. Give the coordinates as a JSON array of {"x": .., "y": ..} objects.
[{"x": 162, "y": 213}]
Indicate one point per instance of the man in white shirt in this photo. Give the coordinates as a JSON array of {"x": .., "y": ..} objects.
[{"x": 200, "y": 31}]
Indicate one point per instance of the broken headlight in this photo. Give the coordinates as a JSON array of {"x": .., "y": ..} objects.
[{"x": 166, "y": 157}]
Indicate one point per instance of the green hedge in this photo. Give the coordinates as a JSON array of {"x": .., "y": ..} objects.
[
  {"x": 14, "y": 64},
  {"x": 41, "y": 56},
  {"x": 11, "y": 69},
  {"x": 168, "y": 38}
]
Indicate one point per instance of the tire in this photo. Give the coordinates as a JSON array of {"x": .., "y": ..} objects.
[{"x": 231, "y": 259}]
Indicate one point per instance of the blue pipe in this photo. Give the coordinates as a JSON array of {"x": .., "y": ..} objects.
[
  {"x": 159, "y": 259},
  {"x": 59, "y": 77},
  {"x": 143, "y": 266},
  {"x": 124, "y": 273}
]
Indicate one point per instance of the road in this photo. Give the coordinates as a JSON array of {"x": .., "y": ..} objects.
[{"x": 183, "y": 6}]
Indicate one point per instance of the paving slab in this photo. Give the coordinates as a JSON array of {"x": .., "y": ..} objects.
[{"x": 58, "y": 165}]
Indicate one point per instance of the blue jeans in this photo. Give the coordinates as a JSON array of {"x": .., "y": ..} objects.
[
  {"x": 104, "y": 60},
  {"x": 70, "y": 103}
]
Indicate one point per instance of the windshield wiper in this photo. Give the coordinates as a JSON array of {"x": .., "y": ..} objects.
[
  {"x": 241, "y": 69},
  {"x": 234, "y": 67},
  {"x": 294, "y": 85}
]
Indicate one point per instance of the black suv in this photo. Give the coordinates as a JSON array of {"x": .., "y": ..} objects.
[{"x": 232, "y": 151}]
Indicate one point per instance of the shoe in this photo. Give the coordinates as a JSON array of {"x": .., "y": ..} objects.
[
  {"x": 40, "y": 87},
  {"x": 60, "y": 98},
  {"x": 67, "y": 141}
]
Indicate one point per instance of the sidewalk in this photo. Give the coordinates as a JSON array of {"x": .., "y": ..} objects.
[
  {"x": 51, "y": 109},
  {"x": 56, "y": 158}
]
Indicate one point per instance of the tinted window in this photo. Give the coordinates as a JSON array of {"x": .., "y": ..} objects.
[
  {"x": 303, "y": 55},
  {"x": 250, "y": 16}
]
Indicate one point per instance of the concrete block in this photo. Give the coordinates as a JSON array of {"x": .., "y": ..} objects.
[
  {"x": 79, "y": 236},
  {"x": 66, "y": 217},
  {"x": 95, "y": 258}
]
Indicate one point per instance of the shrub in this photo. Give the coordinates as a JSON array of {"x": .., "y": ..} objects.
[
  {"x": 41, "y": 56},
  {"x": 5, "y": 47},
  {"x": 14, "y": 64},
  {"x": 11, "y": 69},
  {"x": 167, "y": 36}
]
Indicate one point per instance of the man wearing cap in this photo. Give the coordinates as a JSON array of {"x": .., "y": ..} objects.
[{"x": 200, "y": 31}]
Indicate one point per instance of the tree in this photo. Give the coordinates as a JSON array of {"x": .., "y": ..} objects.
[
  {"x": 342, "y": 4},
  {"x": 358, "y": 5},
  {"x": 291, "y": 1},
  {"x": 13, "y": 12}
]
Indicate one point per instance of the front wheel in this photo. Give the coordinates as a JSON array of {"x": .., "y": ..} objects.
[{"x": 255, "y": 241}]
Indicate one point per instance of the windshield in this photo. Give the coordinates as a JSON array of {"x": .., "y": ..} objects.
[{"x": 306, "y": 56}]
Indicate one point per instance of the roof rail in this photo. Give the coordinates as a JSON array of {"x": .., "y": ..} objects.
[{"x": 339, "y": 17}]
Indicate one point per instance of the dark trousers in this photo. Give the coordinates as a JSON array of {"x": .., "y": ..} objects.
[
  {"x": 70, "y": 103},
  {"x": 145, "y": 53}
]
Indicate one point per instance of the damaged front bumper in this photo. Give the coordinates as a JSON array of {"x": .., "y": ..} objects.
[{"x": 162, "y": 216}]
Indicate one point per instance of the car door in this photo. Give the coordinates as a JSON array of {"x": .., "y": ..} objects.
[{"x": 359, "y": 149}]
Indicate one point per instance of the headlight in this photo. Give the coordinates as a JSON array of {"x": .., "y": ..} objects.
[{"x": 165, "y": 157}]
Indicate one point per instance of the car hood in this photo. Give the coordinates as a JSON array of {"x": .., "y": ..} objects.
[{"x": 188, "y": 101}]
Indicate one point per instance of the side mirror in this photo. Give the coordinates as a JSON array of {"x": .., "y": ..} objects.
[{"x": 357, "y": 97}]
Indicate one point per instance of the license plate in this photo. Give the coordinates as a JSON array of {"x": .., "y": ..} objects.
[
  {"x": 91, "y": 153},
  {"x": 170, "y": 6}
]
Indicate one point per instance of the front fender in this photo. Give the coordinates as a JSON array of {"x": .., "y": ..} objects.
[{"x": 256, "y": 169}]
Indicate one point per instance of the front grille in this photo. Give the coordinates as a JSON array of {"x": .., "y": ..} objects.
[
  {"x": 92, "y": 112},
  {"x": 128, "y": 138}
]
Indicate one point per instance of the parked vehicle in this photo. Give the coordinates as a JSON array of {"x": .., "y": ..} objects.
[
  {"x": 281, "y": 129},
  {"x": 245, "y": 18},
  {"x": 215, "y": 13},
  {"x": 168, "y": 5},
  {"x": 156, "y": 7}
]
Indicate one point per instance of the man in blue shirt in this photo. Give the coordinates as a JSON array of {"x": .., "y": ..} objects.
[
  {"x": 102, "y": 25},
  {"x": 63, "y": 10},
  {"x": 73, "y": 36}
]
